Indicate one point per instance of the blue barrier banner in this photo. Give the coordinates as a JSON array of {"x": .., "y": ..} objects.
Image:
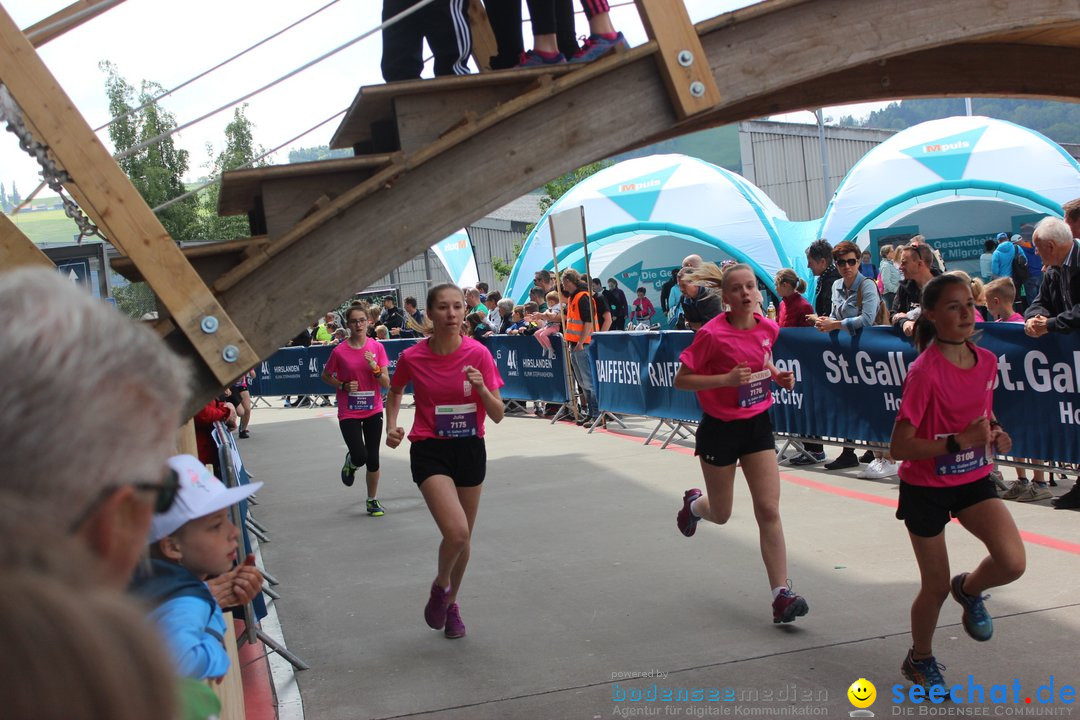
[
  {"x": 530, "y": 371},
  {"x": 634, "y": 373},
  {"x": 298, "y": 370},
  {"x": 850, "y": 386}
]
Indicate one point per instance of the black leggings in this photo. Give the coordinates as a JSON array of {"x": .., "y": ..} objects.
[{"x": 362, "y": 438}]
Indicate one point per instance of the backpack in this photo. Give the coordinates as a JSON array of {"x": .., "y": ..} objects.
[
  {"x": 882, "y": 317},
  {"x": 1020, "y": 272}
]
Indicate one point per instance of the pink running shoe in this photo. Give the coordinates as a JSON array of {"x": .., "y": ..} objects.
[
  {"x": 686, "y": 520},
  {"x": 454, "y": 627},
  {"x": 435, "y": 610}
]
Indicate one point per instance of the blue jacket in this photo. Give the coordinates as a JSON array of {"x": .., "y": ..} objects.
[
  {"x": 188, "y": 616},
  {"x": 1001, "y": 263}
]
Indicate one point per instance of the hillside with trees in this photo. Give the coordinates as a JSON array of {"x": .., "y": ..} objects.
[{"x": 1057, "y": 120}]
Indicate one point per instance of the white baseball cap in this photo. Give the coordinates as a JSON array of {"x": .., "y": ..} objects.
[{"x": 198, "y": 494}]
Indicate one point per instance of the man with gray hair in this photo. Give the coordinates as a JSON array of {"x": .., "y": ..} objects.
[
  {"x": 1057, "y": 306},
  {"x": 89, "y": 416}
]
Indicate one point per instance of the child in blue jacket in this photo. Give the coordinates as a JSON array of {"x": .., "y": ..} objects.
[{"x": 192, "y": 541}]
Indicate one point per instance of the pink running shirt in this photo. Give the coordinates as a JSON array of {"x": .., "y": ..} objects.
[
  {"x": 447, "y": 405},
  {"x": 348, "y": 364},
  {"x": 940, "y": 399},
  {"x": 1016, "y": 318},
  {"x": 717, "y": 348}
]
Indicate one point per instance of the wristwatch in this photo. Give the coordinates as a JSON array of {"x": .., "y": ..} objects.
[{"x": 951, "y": 445}]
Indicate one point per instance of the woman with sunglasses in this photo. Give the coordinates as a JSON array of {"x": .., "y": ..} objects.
[
  {"x": 357, "y": 368},
  {"x": 455, "y": 386},
  {"x": 855, "y": 303}
]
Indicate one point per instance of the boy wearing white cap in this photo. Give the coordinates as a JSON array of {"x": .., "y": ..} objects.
[{"x": 192, "y": 541}]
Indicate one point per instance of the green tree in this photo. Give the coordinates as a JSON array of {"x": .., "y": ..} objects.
[
  {"x": 319, "y": 152},
  {"x": 134, "y": 299},
  {"x": 4, "y": 206},
  {"x": 240, "y": 151},
  {"x": 14, "y": 198},
  {"x": 156, "y": 171}
]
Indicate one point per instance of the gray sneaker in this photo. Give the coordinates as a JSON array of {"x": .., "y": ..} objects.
[
  {"x": 1034, "y": 493},
  {"x": 1015, "y": 490}
]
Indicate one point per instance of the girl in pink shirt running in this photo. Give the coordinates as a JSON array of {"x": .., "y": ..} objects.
[
  {"x": 357, "y": 368},
  {"x": 455, "y": 386},
  {"x": 729, "y": 365},
  {"x": 945, "y": 434}
]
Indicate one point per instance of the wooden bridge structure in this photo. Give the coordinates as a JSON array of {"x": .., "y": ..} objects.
[{"x": 434, "y": 155}]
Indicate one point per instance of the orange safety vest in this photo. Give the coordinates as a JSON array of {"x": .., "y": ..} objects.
[{"x": 575, "y": 326}]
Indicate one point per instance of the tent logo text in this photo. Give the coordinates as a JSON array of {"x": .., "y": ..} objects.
[
  {"x": 634, "y": 187},
  {"x": 946, "y": 147}
]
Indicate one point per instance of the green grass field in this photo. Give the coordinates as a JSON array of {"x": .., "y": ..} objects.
[{"x": 46, "y": 226}]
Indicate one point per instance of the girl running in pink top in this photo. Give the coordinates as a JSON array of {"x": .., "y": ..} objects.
[
  {"x": 945, "y": 434},
  {"x": 455, "y": 386},
  {"x": 729, "y": 365},
  {"x": 357, "y": 368}
]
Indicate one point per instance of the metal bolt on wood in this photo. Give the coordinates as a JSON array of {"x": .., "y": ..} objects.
[
  {"x": 697, "y": 89},
  {"x": 686, "y": 58},
  {"x": 209, "y": 324},
  {"x": 230, "y": 354}
]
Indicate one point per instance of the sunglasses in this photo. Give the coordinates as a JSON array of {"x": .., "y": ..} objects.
[
  {"x": 355, "y": 321},
  {"x": 849, "y": 262},
  {"x": 165, "y": 495}
]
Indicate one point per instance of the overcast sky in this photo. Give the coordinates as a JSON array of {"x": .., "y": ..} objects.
[{"x": 169, "y": 43}]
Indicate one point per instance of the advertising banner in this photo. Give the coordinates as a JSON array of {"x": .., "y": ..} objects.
[
  {"x": 530, "y": 371},
  {"x": 850, "y": 386}
]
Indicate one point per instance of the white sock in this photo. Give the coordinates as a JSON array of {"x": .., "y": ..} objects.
[
  {"x": 370, "y": 499},
  {"x": 692, "y": 510},
  {"x": 777, "y": 590}
]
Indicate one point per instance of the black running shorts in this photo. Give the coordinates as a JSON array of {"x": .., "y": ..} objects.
[
  {"x": 723, "y": 442},
  {"x": 926, "y": 510},
  {"x": 464, "y": 460}
]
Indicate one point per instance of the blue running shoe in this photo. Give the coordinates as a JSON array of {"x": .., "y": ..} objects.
[
  {"x": 925, "y": 672},
  {"x": 685, "y": 519},
  {"x": 595, "y": 47},
  {"x": 348, "y": 471},
  {"x": 977, "y": 622},
  {"x": 374, "y": 509},
  {"x": 531, "y": 58}
]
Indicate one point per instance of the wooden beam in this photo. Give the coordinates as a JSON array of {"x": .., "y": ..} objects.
[
  {"x": 69, "y": 18},
  {"x": 483, "y": 39},
  {"x": 106, "y": 195},
  {"x": 387, "y": 177},
  {"x": 17, "y": 250},
  {"x": 681, "y": 58},
  {"x": 370, "y": 229},
  {"x": 1019, "y": 70}
]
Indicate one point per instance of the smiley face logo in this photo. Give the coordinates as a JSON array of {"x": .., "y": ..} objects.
[{"x": 862, "y": 693}]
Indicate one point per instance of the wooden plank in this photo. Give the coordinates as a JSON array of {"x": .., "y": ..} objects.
[
  {"x": 204, "y": 257},
  {"x": 404, "y": 211},
  {"x": 66, "y": 19},
  {"x": 483, "y": 39},
  {"x": 375, "y": 103},
  {"x": 241, "y": 188},
  {"x": 104, "y": 192},
  {"x": 17, "y": 250},
  {"x": 423, "y": 119},
  {"x": 681, "y": 58},
  {"x": 231, "y": 690}
]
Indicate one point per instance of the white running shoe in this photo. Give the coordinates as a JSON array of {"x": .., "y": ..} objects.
[
  {"x": 870, "y": 472},
  {"x": 879, "y": 469}
]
